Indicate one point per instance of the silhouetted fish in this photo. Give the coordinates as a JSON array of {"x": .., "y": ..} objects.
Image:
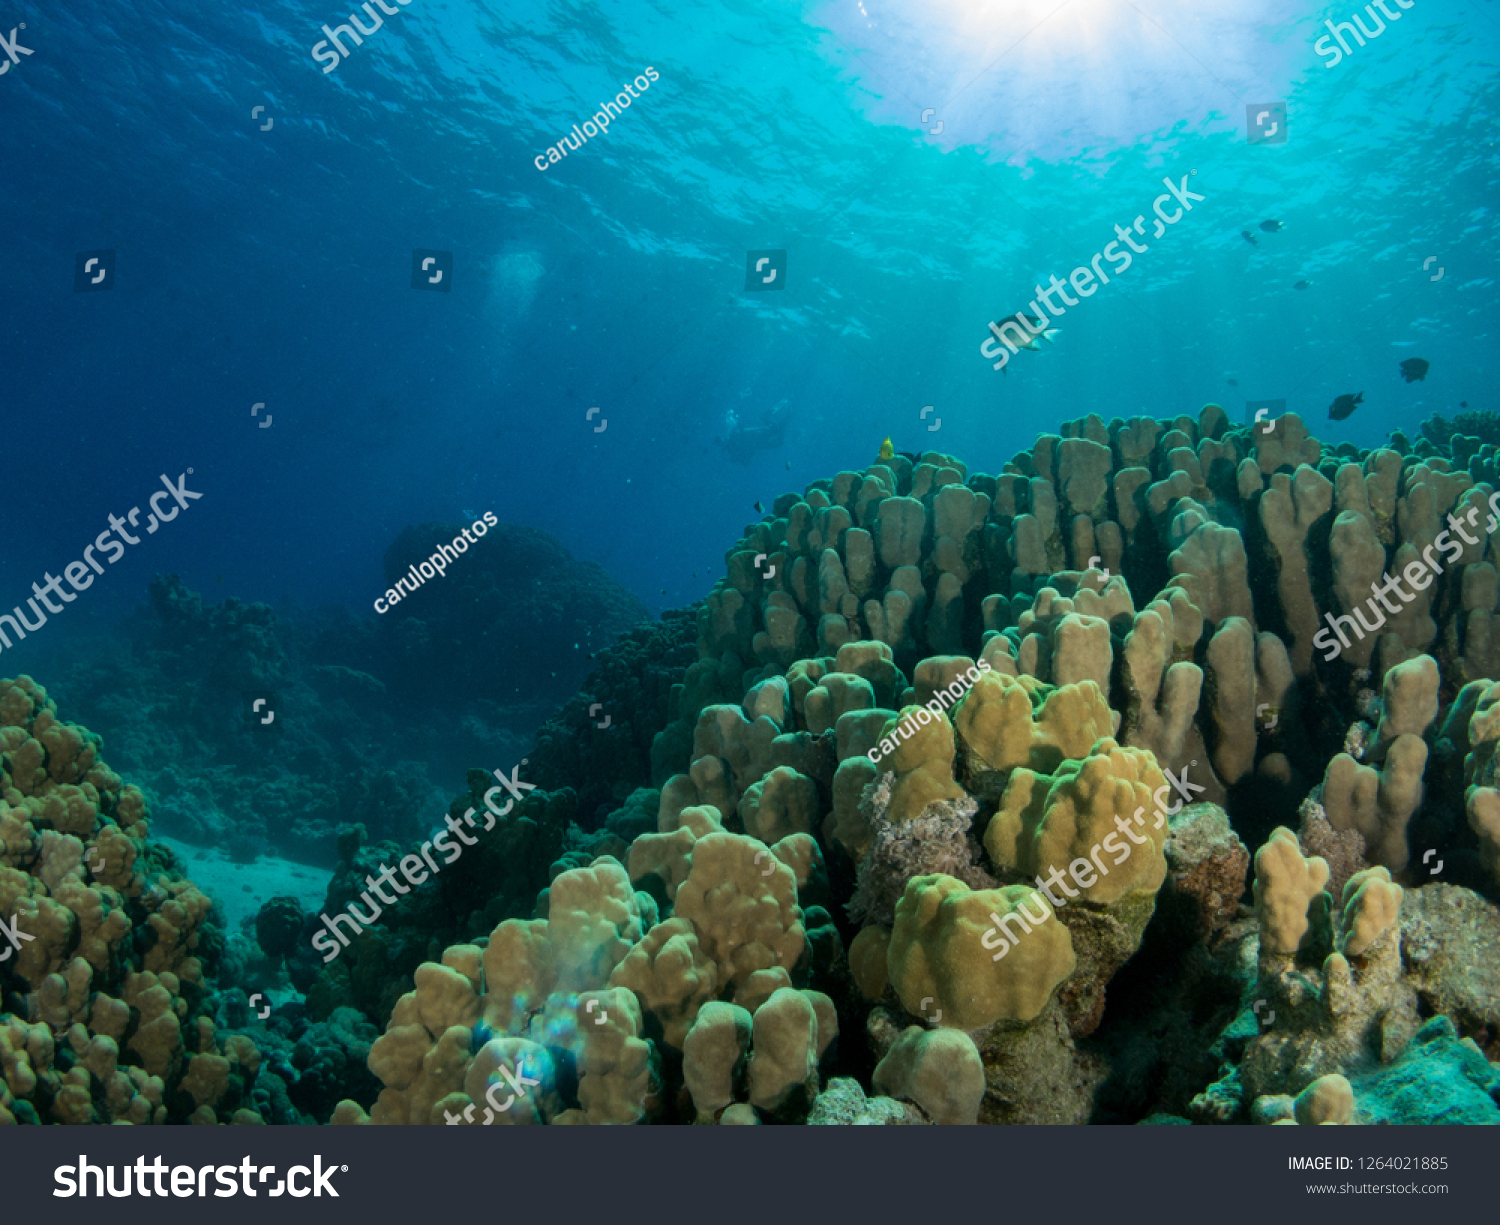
[
  {"x": 1234, "y": 382},
  {"x": 1271, "y": 227},
  {"x": 1344, "y": 406},
  {"x": 759, "y": 509},
  {"x": 1032, "y": 329},
  {"x": 1023, "y": 326},
  {"x": 1250, "y": 238},
  {"x": 1414, "y": 369},
  {"x": 1302, "y": 285}
]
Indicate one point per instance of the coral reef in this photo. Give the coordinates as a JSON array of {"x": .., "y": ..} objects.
[
  {"x": 177, "y": 709},
  {"x": 947, "y": 814},
  {"x": 515, "y": 615},
  {"x": 625, "y": 703},
  {"x": 939, "y": 841},
  {"x": 107, "y": 971},
  {"x": 944, "y": 705},
  {"x": 346, "y": 745}
]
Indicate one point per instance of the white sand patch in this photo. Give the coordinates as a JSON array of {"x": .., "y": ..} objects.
[{"x": 243, "y": 888}]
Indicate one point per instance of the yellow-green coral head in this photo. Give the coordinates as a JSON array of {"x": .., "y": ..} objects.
[{"x": 945, "y": 950}]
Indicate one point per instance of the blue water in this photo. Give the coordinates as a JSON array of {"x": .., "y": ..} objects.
[{"x": 274, "y": 266}]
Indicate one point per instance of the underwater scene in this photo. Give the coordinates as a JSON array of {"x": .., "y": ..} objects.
[{"x": 858, "y": 562}]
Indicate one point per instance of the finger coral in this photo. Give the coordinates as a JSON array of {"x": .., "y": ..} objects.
[{"x": 1021, "y": 728}]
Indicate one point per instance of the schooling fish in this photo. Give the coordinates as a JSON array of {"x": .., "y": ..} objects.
[
  {"x": 1344, "y": 406},
  {"x": 1250, "y": 238},
  {"x": 1271, "y": 227},
  {"x": 1414, "y": 369}
]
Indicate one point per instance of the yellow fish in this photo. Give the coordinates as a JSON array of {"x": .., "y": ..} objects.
[{"x": 886, "y": 450}]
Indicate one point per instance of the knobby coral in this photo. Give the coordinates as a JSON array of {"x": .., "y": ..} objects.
[
  {"x": 106, "y": 947},
  {"x": 920, "y": 798},
  {"x": 945, "y": 703}
]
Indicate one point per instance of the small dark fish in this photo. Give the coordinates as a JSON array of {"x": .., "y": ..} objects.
[
  {"x": 220, "y": 577},
  {"x": 759, "y": 509},
  {"x": 1344, "y": 406},
  {"x": 1271, "y": 227},
  {"x": 1250, "y": 238},
  {"x": 1414, "y": 369},
  {"x": 1032, "y": 329},
  {"x": 1302, "y": 285},
  {"x": 1463, "y": 404},
  {"x": 1234, "y": 382},
  {"x": 1023, "y": 327}
]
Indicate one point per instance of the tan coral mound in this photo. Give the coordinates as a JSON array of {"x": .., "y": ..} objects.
[
  {"x": 597, "y": 969},
  {"x": 1101, "y": 818},
  {"x": 941, "y": 956},
  {"x": 913, "y": 641},
  {"x": 75, "y": 864}
]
